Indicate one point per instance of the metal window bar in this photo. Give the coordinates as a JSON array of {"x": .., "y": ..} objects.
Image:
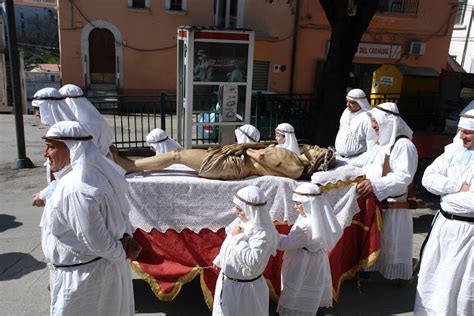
[{"x": 399, "y": 6}]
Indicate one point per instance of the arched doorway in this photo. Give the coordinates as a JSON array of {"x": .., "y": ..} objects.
[{"x": 102, "y": 56}]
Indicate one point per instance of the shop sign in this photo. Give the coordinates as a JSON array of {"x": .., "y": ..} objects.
[
  {"x": 388, "y": 81},
  {"x": 385, "y": 51}
]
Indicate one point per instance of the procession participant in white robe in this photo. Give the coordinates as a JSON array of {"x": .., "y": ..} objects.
[
  {"x": 446, "y": 277},
  {"x": 247, "y": 134},
  {"x": 50, "y": 106},
  {"x": 396, "y": 151},
  {"x": 457, "y": 142},
  {"x": 85, "y": 228},
  {"x": 89, "y": 116},
  {"x": 286, "y": 138},
  {"x": 241, "y": 288},
  {"x": 306, "y": 274},
  {"x": 354, "y": 126},
  {"x": 160, "y": 143}
]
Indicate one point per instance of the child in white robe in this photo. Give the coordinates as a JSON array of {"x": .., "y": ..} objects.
[
  {"x": 160, "y": 143},
  {"x": 306, "y": 274},
  {"x": 286, "y": 138},
  {"x": 241, "y": 288}
]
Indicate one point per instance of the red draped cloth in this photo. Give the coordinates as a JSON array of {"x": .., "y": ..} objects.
[{"x": 171, "y": 259}]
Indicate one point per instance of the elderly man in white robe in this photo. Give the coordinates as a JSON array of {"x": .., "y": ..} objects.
[
  {"x": 306, "y": 274},
  {"x": 49, "y": 105},
  {"x": 241, "y": 288},
  {"x": 89, "y": 116},
  {"x": 354, "y": 126},
  {"x": 446, "y": 277},
  {"x": 85, "y": 228},
  {"x": 390, "y": 166}
]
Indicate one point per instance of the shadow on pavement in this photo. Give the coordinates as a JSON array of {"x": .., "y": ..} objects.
[
  {"x": 190, "y": 301},
  {"x": 15, "y": 265},
  {"x": 422, "y": 223},
  {"x": 7, "y": 222},
  {"x": 375, "y": 296}
]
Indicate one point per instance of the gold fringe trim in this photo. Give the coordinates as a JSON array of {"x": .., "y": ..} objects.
[
  {"x": 273, "y": 295},
  {"x": 359, "y": 223},
  {"x": 364, "y": 263},
  {"x": 155, "y": 287},
  {"x": 205, "y": 291},
  {"x": 341, "y": 184}
]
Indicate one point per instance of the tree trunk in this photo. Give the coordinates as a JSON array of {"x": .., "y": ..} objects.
[{"x": 346, "y": 32}]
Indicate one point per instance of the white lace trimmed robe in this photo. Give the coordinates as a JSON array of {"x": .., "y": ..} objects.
[
  {"x": 395, "y": 261},
  {"x": 351, "y": 139},
  {"x": 243, "y": 257},
  {"x": 80, "y": 223},
  {"x": 306, "y": 274},
  {"x": 446, "y": 277}
]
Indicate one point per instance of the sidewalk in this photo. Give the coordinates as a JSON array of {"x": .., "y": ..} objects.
[{"x": 24, "y": 275}]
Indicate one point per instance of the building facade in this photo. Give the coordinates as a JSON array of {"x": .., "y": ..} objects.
[
  {"x": 462, "y": 41},
  {"x": 130, "y": 45}
]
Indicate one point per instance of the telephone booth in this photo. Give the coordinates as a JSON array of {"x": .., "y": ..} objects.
[{"x": 214, "y": 84}]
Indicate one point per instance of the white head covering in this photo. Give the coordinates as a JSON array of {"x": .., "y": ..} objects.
[
  {"x": 457, "y": 145},
  {"x": 247, "y": 134},
  {"x": 466, "y": 120},
  {"x": 390, "y": 123},
  {"x": 324, "y": 226},
  {"x": 290, "y": 138},
  {"x": 88, "y": 115},
  {"x": 53, "y": 107},
  {"x": 87, "y": 161},
  {"x": 253, "y": 202},
  {"x": 158, "y": 139},
  {"x": 358, "y": 95}
]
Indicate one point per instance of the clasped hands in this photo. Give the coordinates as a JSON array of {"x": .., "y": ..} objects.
[
  {"x": 364, "y": 188},
  {"x": 233, "y": 149},
  {"x": 131, "y": 246}
]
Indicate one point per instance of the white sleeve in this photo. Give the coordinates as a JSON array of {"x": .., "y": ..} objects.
[
  {"x": 296, "y": 239},
  {"x": 253, "y": 251},
  {"x": 461, "y": 202},
  {"x": 435, "y": 178},
  {"x": 85, "y": 219},
  {"x": 403, "y": 164}
]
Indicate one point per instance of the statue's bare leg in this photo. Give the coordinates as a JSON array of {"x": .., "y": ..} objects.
[{"x": 189, "y": 157}]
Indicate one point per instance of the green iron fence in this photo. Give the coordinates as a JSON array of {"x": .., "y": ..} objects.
[{"x": 133, "y": 116}]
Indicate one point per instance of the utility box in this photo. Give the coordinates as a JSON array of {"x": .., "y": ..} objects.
[
  {"x": 402, "y": 79},
  {"x": 214, "y": 84}
]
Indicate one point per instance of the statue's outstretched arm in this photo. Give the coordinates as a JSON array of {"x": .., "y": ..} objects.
[{"x": 238, "y": 149}]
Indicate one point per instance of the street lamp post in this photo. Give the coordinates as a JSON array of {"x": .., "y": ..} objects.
[{"x": 22, "y": 161}]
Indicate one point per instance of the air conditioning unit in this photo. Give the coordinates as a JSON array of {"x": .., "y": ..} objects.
[{"x": 417, "y": 48}]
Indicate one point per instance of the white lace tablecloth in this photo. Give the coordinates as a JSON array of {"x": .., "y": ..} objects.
[
  {"x": 178, "y": 199},
  {"x": 342, "y": 197}
]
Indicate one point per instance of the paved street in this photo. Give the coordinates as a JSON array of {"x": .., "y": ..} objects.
[{"x": 24, "y": 275}]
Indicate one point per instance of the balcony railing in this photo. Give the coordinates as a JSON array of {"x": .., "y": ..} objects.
[{"x": 398, "y": 6}]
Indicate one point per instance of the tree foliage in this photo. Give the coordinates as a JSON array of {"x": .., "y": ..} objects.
[{"x": 348, "y": 19}]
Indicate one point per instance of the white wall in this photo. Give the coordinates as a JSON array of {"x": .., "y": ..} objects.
[{"x": 462, "y": 43}]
